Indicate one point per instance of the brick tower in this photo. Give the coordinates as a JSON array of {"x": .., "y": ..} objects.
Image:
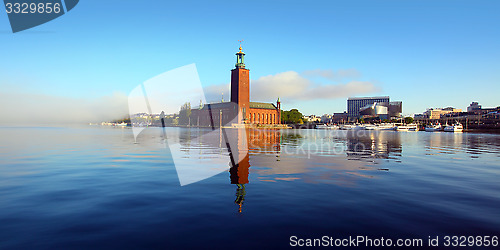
[{"x": 240, "y": 87}]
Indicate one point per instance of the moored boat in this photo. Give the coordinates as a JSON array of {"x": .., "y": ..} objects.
[
  {"x": 407, "y": 127},
  {"x": 326, "y": 126},
  {"x": 433, "y": 128},
  {"x": 454, "y": 128},
  {"x": 386, "y": 126},
  {"x": 352, "y": 127}
]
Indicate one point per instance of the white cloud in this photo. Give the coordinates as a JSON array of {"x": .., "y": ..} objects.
[
  {"x": 213, "y": 93},
  {"x": 332, "y": 75},
  {"x": 26, "y": 109},
  {"x": 293, "y": 86}
]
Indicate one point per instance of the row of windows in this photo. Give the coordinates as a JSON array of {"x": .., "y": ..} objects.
[{"x": 263, "y": 118}]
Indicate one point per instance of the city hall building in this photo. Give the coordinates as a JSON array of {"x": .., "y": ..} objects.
[{"x": 213, "y": 114}]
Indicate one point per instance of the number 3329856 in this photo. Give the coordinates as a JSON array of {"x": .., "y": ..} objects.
[{"x": 32, "y": 8}]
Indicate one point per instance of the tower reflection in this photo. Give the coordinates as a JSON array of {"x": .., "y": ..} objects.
[
  {"x": 256, "y": 142},
  {"x": 239, "y": 170}
]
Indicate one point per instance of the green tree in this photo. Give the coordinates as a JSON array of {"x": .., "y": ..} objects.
[
  {"x": 408, "y": 119},
  {"x": 293, "y": 116},
  {"x": 185, "y": 113},
  {"x": 284, "y": 116}
]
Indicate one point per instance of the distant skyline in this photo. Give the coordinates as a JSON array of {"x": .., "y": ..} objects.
[{"x": 311, "y": 54}]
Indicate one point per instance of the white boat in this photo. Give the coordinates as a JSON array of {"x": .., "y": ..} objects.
[
  {"x": 407, "y": 127},
  {"x": 347, "y": 126},
  {"x": 352, "y": 127},
  {"x": 386, "y": 126},
  {"x": 358, "y": 127},
  {"x": 371, "y": 127},
  {"x": 433, "y": 128},
  {"x": 454, "y": 128},
  {"x": 326, "y": 126}
]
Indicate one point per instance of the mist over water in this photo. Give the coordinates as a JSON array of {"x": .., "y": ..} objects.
[{"x": 93, "y": 187}]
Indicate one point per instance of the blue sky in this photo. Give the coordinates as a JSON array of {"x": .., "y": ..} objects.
[{"x": 425, "y": 53}]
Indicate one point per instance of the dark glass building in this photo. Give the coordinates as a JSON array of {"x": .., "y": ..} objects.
[
  {"x": 356, "y": 103},
  {"x": 381, "y": 106}
]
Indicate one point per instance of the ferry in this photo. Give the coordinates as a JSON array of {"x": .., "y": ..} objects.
[
  {"x": 407, "y": 127},
  {"x": 326, "y": 126},
  {"x": 454, "y": 128},
  {"x": 347, "y": 126},
  {"x": 388, "y": 126},
  {"x": 352, "y": 127},
  {"x": 433, "y": 128}
]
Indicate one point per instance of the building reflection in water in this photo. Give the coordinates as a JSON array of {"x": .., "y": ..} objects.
[
  {"x": 372, "y": 145},
  {"x": 256, "y": 141},
  {"x": 291, "y": 155},
  {"x": 260, "y": 144},
  {"x": 314, "y": 156},
  {"x": 455, "y": 143},
  {"x": 240, "y": 168}
]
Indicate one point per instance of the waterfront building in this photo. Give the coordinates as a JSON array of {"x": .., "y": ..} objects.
[
  {"x": 476, "y": 109},
  {"x": 227, "y": 112},
  {"x": 340, "y": 117},
  {"x": 378, "y": 106},
  {"x": 326, "y": 118},
  {"x": 311, "y": 118},
  {"x": 473, "y": 107},
  {"x": 435, "y": 114},
  {"x": 375, "y": 110},
  {"x": 354, "y": 104},
  {"x": 383, "y": 108}
]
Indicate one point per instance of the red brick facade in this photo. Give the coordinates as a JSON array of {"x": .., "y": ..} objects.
[
  {"x": 240, "y": 89},
  {"x": 263, "y": 116}
]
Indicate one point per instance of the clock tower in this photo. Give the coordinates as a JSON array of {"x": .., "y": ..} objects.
[{"x": 240, "y": 87}]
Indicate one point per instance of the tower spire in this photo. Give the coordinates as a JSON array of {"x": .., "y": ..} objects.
[
  {"x": 240, "y": 58},
  {"x": 240, "y": 44}
]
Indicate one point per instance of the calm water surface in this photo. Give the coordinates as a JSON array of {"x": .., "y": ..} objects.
[{"x": 93, "y": 187}]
